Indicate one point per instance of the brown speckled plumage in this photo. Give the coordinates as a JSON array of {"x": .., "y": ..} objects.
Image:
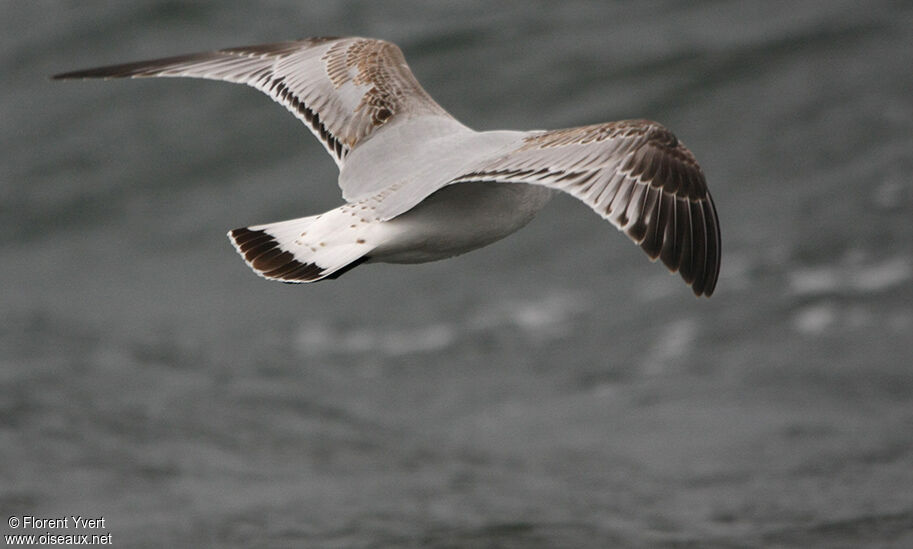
[
  {"x": 377, "y": 69},
  {"x": 634, "y": 173}
]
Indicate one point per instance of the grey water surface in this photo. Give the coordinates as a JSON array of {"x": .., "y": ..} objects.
[{"x": 555, "y": 389}]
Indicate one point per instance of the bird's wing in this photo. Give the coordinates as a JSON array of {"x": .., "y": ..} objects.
[
  {"x": 637, "y": 175},
  {"x": 343, "y": 89}
]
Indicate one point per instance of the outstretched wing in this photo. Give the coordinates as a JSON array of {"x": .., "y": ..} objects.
[
  {"x": 343, "y": 89},
  {"x": 637, "y": 175}
]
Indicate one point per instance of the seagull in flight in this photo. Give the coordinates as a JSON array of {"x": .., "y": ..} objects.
[{"x": 420, "y": 186}]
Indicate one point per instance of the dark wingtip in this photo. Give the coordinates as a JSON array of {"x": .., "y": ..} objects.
[
  {"x": 705, "y": 291},
  {"x": 133, "y": 70},
  {"x": 685, "y": 236},
  {"x": 100, "y": 72},
  {"x": 72, "y": 75},
  {"x": 85, "y": 74}
]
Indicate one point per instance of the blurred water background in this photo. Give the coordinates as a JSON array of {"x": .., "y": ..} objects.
[{"x": 552, "y": 390}]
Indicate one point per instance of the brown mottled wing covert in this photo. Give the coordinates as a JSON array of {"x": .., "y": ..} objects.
[
  {"x": 342, "y": 88},
  {"x": 637, "y": 175}
]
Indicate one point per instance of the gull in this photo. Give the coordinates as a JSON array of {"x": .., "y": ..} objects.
[{"x": 420, "y": 186}]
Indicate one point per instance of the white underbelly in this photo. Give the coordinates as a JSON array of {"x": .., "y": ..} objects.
[{"x": 457, "y": 219}]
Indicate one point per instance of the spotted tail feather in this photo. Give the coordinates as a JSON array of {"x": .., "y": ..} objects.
[{"x": 290, "y": 251}]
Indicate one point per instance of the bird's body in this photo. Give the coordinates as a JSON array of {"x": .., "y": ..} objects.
[
  {"x": 458, "y": 219},
  {"x": 420, "y": 186}
]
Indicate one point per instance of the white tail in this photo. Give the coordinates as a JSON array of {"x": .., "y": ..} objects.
[{"x": 306, "y": 249}]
